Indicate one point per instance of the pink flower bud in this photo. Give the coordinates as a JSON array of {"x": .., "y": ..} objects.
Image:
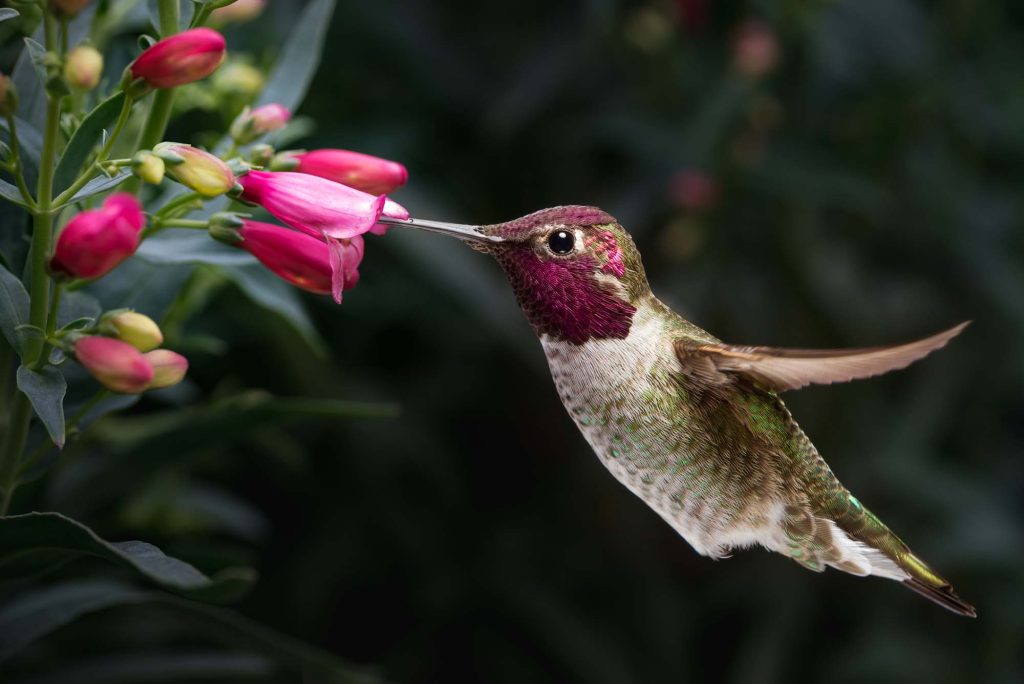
[
  {"x": 97, "y": 240},
  {"x": 755, "y": 49},
  {"x": 302, "y": 260},
  {"x": 251, "y": 124},
  {"x": 206, "y": 174},
  {"x": 117, "y": 365},
  {"x": 360, "y": 171},
  {"x": 179, "y": 59},
  {"x": 694, "y": 190},
  {"x": 313, "y": 205},
  {"x": 67, "y": 8},
  {"x": 8, "y": 96},
  {"x": 169, "y": 368}
]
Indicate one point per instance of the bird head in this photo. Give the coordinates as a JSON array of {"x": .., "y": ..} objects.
[{"x": 575, "y": 271}]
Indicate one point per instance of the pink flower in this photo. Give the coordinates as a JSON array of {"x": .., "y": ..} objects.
[
  {"x": 251, "y": 124},
  {"x": 169, "y": 368},
  {"x": 117, "y": 365},
  {"x": 179, "y": 59},
  {"x": 694, "y": 190},
  {"x": 97, "y": 240},
  {"x": 755, "y": 49},
  {"x": 302, "y": 260},
  {"x": 313, "y": 205},
  {"x": 360, "y": 171}
]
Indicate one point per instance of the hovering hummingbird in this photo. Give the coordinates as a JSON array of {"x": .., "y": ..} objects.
[{"x": 693, "y": 426}]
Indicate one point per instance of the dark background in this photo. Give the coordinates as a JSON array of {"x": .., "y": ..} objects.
[{"x": 862, "y": 188}]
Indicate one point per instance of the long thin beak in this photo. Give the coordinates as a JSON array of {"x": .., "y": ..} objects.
[{"x": 463, "y": 232}]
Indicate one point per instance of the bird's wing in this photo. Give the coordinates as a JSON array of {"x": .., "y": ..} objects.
[{"x": 787, "y": 369}]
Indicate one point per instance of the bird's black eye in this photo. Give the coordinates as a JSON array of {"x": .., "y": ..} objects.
[{"x": 561, "y": 241}]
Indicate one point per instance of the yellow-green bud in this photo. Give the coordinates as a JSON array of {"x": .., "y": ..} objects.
[
  {"x": 83, "y": 68},
  {"x": 238, "y": 78},
  {"x": 136, "y": 329},
  {"x": 203, "y": 172},
  {"x": 169, "y": 368},
  {"x": 148, "y": 167}
]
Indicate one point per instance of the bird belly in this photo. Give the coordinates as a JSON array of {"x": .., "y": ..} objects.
[{"x": 617, "y": 393}]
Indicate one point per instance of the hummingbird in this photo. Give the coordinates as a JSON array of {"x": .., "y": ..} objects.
[{"x": 693, "y": 426}]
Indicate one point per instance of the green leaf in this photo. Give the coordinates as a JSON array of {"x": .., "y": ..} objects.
[
  {"x": 52, "y": 532},
  {"x": 7, "y": 13},
  {"x": 76, "y": 306},
  {"x": 34, "y": 614},
  {"x": 14, "y": 305},
  {"x": 11, "y": 193},
  {"x": 45, "y": 389},
  {"x": 185, "y": 246},
  {"x": 295, "y": 68},
  {"x": 272, "y": 293},
  {"x": 101, "y": 183},
  {"x": 89, "y": 133},
  {"x": 160, "y": 666},
  {"x": 36, "y": 53}
]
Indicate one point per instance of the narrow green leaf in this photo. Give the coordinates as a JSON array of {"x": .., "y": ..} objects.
[
  {"x": 7, "y": 13},
  {"x": 100, "y": 184},
  {"x": 272, "y": 293},
  {"x": 36, "y": 53},
  {"x": 35, "y": 532},
  {"x": 14, "y": 305},
  {"x": 10, "y": 193},
  {"x": 45, "y": 389},
  {"x": 34, "y": 614},
  {"x": 88, "y": 135},
  {"x": 295, "y": 67}
]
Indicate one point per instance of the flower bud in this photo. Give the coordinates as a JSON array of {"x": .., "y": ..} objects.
[
  {"x": 251, "y": 124},
  {"x": 755, "y": 49},
  {"x": 239, "y": 78},
  {"x": 97, "y": 240},
  {"x": 83, "y": 68},
  {"x": 360, "y": 171},
  {"x": 302, "y": 260},
  {"x": 138, "y": 330},
  {"x": 238, "y": 11},
  {"x": 179, "y": 59},
  {"x": 8, "y": 96},
  {"x": 313, "y": 205},
  {"x": 117, "y": 365},
  {"x": 67, "y": 8},
  {"x": 148, "y": 166},
  {"x": 694, "y": 190},
  {"x": 201, "y": 171},
  {"x": 169, "y": 368}
]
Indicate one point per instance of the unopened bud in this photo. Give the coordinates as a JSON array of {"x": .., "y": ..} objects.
[
  {"x": 148, "y": 166},
  {"x": 285, "y": 161},
  {"x": 169, "y": 368},
  {"x": 138, "y": 330},
  {"x": 239, "y": 78},
  {"x": 8, "y": 96},
  {"x": 238, "y": 11},
  {"x": 201, "y": 171},
  {"x": 261, "y": 155},
  {"x": 83, "y": 68},
  {"x": 117, "y": 365},
  {"x": 67, "y": 8},
  {"x": 251, "y": 124}
]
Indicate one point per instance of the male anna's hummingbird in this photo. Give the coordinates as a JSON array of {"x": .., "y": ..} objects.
[{"x": 691, "y": 425}]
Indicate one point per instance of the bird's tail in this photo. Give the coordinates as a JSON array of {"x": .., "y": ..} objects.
[{"x": 864, "y": 527}]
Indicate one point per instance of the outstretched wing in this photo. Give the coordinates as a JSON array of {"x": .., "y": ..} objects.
[{"x": 787, "y": 369}]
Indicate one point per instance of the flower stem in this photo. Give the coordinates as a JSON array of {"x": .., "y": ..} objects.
[
  {"x": 175, "y": 204},
  {"x": 42, "y": 230},
  {"x": 160, "y": 111},
  {"x": 51, "y": 326}
]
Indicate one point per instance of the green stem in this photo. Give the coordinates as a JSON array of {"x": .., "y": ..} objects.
[
  {"x": 174, "y": 223},
  {"x": 175, "y": 204},
  {"x": 122, "y": 119},
  {"x": 42, "y": 233},
  {"x": 51, "y": 326},
  {"x": 6, "y": 361},
  {"x": 160, "y": 111},
  {"x": 19, "y": 176}
]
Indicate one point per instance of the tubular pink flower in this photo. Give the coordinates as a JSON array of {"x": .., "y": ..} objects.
[
  {"x": 316, "y": 206},
  {"x": 169, "y": 368},
  {"x": 303, "y": 260},
  {"x": 179, "y": 59},
  {"x": 97, "y": 240},
  {"x": 392, "y": 209},
  {"x": 360, "y": 171},
  {"x": 250, "y": 125},
  {"x": 117, "y": 365}
]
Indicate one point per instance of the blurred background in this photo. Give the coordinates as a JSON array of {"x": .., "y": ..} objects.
[{"x": 805, "y": 174}]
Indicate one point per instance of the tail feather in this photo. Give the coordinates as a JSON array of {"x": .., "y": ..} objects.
[{"x": 942, "y": 595}]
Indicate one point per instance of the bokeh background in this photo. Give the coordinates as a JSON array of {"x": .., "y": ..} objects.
[{"x": 814, "y": 174}]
